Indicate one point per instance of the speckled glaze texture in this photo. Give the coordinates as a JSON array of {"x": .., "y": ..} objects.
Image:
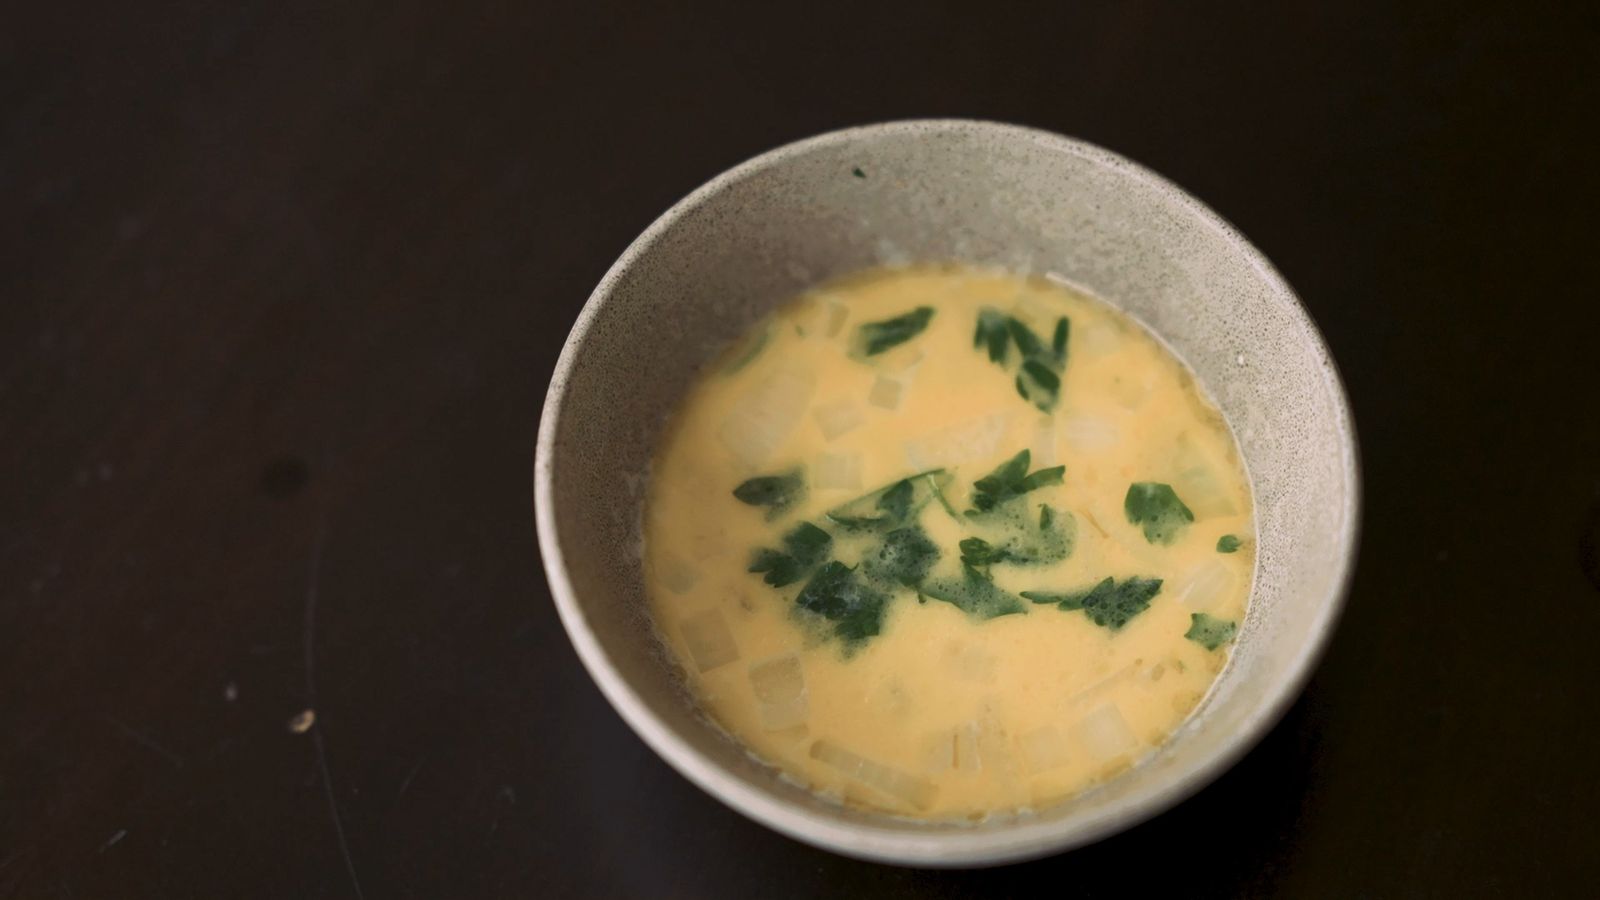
[{"x": 985, "y": 194}]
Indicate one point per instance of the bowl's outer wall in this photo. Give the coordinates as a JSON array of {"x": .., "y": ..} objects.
[{"x": 938, "y": 191}]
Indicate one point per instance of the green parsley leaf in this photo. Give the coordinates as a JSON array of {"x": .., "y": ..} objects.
[
  {"x": 1009, "y": 481},
  {"x": 803, "y": 547},
  {"x": 892, "y": 505},
  {"x": 858, "y": 173},
  {"x": 992, "y": 334},
  {"x": 1058, "y": 341},
  {"x": 974, "y": 594},
  {"x": 1156, "y": 507},
  {"x": 905, "y": 557},
  {"x": 1107, "y": 604},
  {"x": 1227, "y": 544},
  {"x": 980, "y": 554},
  {"x": 873, "y": 338},
  {"x": 776, "y": 492},
  {"x": 835, "y": 593},
  {"x": 1038, "y": 385},
  {"x": 1210, "y": 632},
  {"x": 1039, "y": 376},
  {"x": 1023, "y": 544}
]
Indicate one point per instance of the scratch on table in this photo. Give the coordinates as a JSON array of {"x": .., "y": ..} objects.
[
  {"x": 405, "y": 785},
  {"x": 308, "y": 643},
  {"x": 114, "y": 839},
  {"x": 146, "y": 741}
]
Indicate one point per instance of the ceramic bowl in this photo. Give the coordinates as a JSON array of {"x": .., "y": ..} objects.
[{"x": 981, "y": 193}]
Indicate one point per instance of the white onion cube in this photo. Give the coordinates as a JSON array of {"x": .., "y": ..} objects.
[
  {"x": 677, "y": 575},
  {"x": 1087, "y": 435},
  {"x": 780, "y": 689},
  {"x": 1105, "y": 734},
  {"x": 1100, "y": 339},
  {"x": 1206, "y": 585},
  {"x": 902, "y": 786},
  {"x": 709, "y": 641},
  {"x": 1201, "y": 491},
  {"x": 838, "y": 418},
  {"x": 1130, "y": 393},
  {"x": 1044, "y": 749},
  {"x": 885, "y": 393},
  {"x": 971, "y": 441},
  {"x": 900, "y": 358},
  {"x": 763, "y": 418}
]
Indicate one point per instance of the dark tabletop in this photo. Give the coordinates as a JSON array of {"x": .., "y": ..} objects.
[{"x": 281, "y": 289}]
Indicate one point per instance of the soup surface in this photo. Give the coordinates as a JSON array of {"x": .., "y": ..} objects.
[{"x": 945, "y": 542}]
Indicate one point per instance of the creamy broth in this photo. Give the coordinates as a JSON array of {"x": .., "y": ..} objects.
[{"x": 870, "y": 585}]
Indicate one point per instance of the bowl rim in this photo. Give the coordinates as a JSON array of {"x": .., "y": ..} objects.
[{"x": 955, "y": 847}]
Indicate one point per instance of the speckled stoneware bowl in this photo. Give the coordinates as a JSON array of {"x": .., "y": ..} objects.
[{"x": 980, "y": 193}]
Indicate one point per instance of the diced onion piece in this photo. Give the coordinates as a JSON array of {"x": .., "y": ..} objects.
[
  {"x": 885, "y": 393},
  {"x": 1044, "y": 749},
  {"x": 838, "y": 418},
  {"x": 1128, "y": 392},
  {"x": 677, "y": 575},
  {"x": 838, "y": 471},
  {"x": 1203, "y": 493},
  {"x": 1100, "y": 339},
  {"x": 994, "y": 747},
  {"x": 709, "y": 641},
  {"x": 1207, "y": 584},
  {"x": 780, "y": 689},
  {"x": 967, "y": 758},
  {"x": 1044, "y": 442},
  {"x": 900, "y": 358},
  {"x": 954, "y": 445},
  {"x": 762, "y": 419},
  {"x": 822, "y": 317},
  {"x": 1105, "y": 734},
  {"x": 837, "y": 313},
  {"x": 1039, "y": 313},
  {"x": 1087, "y": 435},
  {"x": 902, "y": 786}
]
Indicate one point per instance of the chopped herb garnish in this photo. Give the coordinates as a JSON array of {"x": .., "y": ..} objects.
[
  {"x": 1009, "y": 481},
  {"x": 904, "y": 558},
  {"x": 836, "y": 594},
  {"x": 803, "y": 547},
  {"x": 1039, "y": 376},
  {"x": 1156, "y": 507},
  {"x": 991, "y": 334},
  {"x": 858, "y": 173},
  {"x": 1210, "y": 632},
  {"x": 776, "y": 492},
  {"x": 1107, "y": 604},
  {"x": 980, "y": 554},
  {"x": 892, "y": 505},
  {"x": 1051, "y": 541},
  {"x": 974, "y": 594},
  {"x": 873, "y": 338},
  {"x": 896, "y": 501},
  {"x": 1227, "y": 544}
]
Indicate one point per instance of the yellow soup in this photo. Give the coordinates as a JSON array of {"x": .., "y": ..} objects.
[{"x": 946, "y": 543}]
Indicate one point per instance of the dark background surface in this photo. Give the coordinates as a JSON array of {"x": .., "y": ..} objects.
[{"x": 281, "y": 289}]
